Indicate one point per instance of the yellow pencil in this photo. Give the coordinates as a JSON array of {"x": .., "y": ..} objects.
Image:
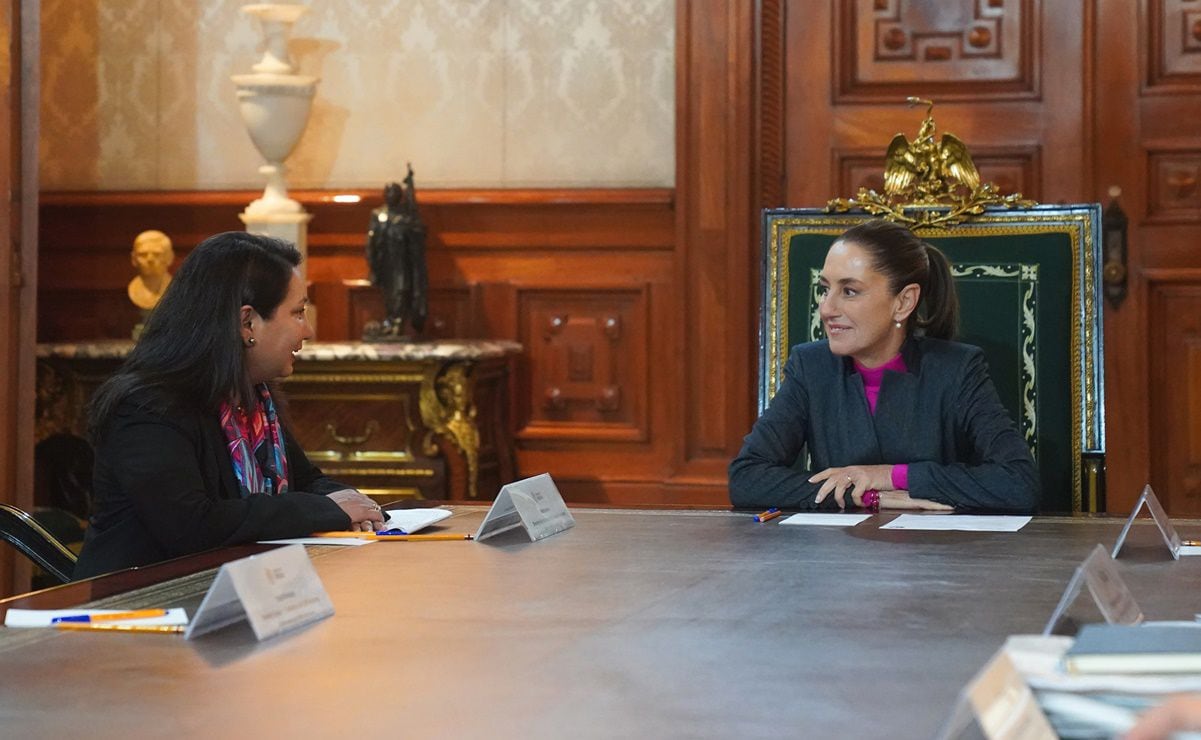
[
  {"x": 400, "y": 537},
  {"x": 86, "y": 627},
  {"x": 137, "y": 614}
]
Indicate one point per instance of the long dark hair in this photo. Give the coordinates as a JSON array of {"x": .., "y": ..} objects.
[
  {"x": 190, "y": 354},
  {"x": 903, "y": 258}
]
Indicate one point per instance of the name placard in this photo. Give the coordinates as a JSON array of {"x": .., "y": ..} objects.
[
  {"x": 533, "y": 504},
  {"x": 1170, "y": 537},
  {"x": 1108, "y": 590},
  {"x": 998, "y": 704},
  {"x": 277, "y": 591}
]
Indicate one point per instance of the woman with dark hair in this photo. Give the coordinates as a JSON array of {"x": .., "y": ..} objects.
[
  {"x": 891, "y": 412},
  {"x": 190, "y": 450}
]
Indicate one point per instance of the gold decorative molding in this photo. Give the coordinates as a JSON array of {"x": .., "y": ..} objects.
[
  {"x": 446, "y": 409},
  {"x": 389, "y": 472},
  {"x": 353, "y": 378},
  {"x": 929, "y": 184}
]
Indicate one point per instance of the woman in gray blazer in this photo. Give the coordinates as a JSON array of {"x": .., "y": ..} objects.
[{"x": 891, "y": 412}]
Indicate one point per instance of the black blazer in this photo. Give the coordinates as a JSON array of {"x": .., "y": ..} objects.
[
  {"x": 942, "y": 416},
  {"x": 165, "y": 487}
]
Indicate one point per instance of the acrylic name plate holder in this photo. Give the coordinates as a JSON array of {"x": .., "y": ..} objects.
[
  {"x": 534, "y": 504},
  {"x": 997, "y": 704},
  {"x": 1171, "y": 538},
  {"x": 1105, "y": 584},
  {"x": 276, "y": 591}
]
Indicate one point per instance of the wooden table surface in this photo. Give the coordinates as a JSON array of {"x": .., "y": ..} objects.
[{"x": 632, "y": 624}]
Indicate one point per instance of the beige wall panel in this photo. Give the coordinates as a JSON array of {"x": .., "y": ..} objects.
[
  {"x": 590, "y": 92},
  {"x": 485, "y": 93}
]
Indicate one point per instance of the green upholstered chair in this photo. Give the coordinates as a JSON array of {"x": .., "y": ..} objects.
[{"x": 1029, "y": 284}]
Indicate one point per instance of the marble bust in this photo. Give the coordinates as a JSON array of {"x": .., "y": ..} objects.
[{"x": 151, "y": 255}]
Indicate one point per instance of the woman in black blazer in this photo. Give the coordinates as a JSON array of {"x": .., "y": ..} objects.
[
  {"x": 191, "y": 453},
  {"x": 891, "y": 412}
]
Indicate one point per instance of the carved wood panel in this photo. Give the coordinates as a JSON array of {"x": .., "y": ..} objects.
[
  {"x": 970, "y": 48},
  {"x": 587, "y": 353},
  {"x": 1174, "y": 51},
  {"x": 1176, "y": 395},
  {"x": 345, "y": 307},
  {"x": 1174, "y": 186}
]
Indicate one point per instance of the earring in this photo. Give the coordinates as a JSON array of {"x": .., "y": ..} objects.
[
  {"x": 249, "y": 341},
  {"x": 898, "y": 324}
]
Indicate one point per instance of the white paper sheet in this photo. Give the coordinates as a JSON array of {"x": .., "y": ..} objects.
[
  {"x": 343, "y": 541},
  {"x": 407, "y": 521},
  {"x": 412, "y": 520},
  {"x": 42, "y": 617},
  {"x": 958, "y": 522},
  {"x": 825, "y": 520},
  {"x": 1039, "y": 658}
]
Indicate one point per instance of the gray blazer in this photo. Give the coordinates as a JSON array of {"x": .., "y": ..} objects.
[{"x": 943, "y": 417}]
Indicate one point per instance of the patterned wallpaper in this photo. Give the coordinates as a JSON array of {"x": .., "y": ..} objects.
[{"x": 483, "y": 93}]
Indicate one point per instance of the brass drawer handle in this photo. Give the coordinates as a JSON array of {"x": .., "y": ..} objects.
[{"x": 371, "y": 428}]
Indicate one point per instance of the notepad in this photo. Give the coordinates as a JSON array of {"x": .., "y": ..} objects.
[
  {"x": 1119, "y": 648},
  {"x": 409, "y": 521},
  {"x": 826, "y": 520},
  {"x": 958, "y": 522},
  {"x": 45, "y": 617}
]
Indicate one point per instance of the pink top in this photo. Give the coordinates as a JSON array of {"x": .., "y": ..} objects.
[{"x": 873, "y": 378}]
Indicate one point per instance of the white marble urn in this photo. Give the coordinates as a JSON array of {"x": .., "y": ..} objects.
[{"x": 275, "y": 102}]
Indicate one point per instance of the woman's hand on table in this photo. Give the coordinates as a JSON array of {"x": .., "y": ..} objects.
[
  {"x": 365, "y": 515},
  {"x": 848, "y": 484}
]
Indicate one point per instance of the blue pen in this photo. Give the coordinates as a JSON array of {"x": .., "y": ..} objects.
[
  {"x": 771, "y": 513},
  {"x": 396, "y": 530},
  {"x": 113, "y": 616}
]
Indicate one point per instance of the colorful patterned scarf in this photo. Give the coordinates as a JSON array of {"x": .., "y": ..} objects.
[{"x": 256, "y": 445}]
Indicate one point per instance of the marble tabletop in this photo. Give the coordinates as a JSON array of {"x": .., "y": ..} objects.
[{"x": 446, "y": 349}]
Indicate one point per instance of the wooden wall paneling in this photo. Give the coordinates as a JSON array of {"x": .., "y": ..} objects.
[
  {"x": 18, "y": 267},
  {"x": 1174, "y": 58},
  {"x": 345, "y": 307},
  {"x": 588, "y": 354},
  {"x": 604, "y": 341},
  {"x": 12, "y": 276},
  {"x": 1175, "y": 389},
  {"x": 1019, "y": 104},
  {"x": 1174, "y": 185},
  {"x": 771, "y": 86},
  {"x": 992, "y": 43},
  {"x": 1148, "y": 148},
  {"x": 716, "y": 249}
]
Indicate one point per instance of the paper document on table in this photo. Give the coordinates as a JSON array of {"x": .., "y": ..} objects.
[
  {"x": 409, "y": 521},
  {"x": 958, "y": 522},
  {"x": 400, "y": 521},
  {"x": 825, "y": 520},
  {"x": 343, "y": 541},
  {"x": 1039, "y": 658},
  {"x": 44, "y": 617}
]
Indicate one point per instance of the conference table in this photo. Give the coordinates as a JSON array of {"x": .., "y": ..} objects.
[{"x": 635, "y": 623}]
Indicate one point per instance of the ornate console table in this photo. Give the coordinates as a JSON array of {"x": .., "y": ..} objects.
[{"x": 422, "y": 419}]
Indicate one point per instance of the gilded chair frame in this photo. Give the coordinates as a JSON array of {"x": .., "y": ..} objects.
[{"x": 1082, "y": 223}]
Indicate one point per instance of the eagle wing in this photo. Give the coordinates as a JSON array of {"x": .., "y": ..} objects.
[
  {"x": 899, "y": 172},
  {"x": 957, "y": 162}
]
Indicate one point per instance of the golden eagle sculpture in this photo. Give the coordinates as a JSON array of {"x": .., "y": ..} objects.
[{"x": 929, "y": 182}]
